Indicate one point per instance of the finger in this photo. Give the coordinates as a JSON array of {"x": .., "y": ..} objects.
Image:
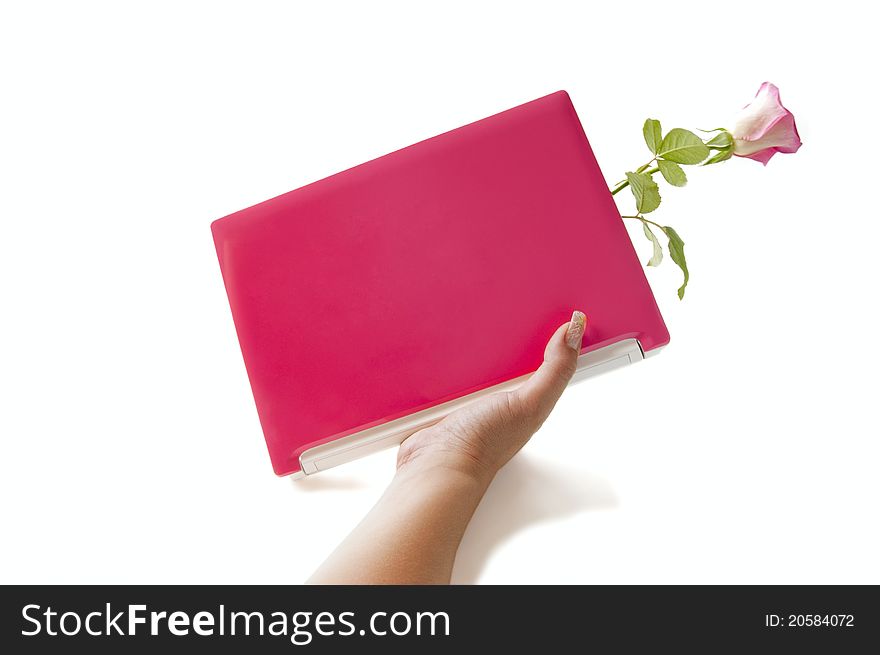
[{"x": 540, "y": 392}]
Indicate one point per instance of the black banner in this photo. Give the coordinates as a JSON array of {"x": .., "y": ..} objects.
[{"x": 278, "y": 619}]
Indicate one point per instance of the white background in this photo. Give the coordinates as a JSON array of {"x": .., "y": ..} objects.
[{"x": 131, "y": 449}]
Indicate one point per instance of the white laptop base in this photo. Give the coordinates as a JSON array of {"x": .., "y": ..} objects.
[{"x": 365, "y": 442}]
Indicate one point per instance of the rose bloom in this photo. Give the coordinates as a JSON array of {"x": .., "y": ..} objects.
[{"x": 764, "y": 127}]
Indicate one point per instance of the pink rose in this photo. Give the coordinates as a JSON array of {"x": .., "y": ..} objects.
[{"x": 764, "y": 127}]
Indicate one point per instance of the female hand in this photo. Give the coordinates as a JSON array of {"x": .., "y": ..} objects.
[{"x": 480, "y": 438}]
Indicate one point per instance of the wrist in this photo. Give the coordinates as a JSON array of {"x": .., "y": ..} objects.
[{"x": 443, "y": 466}]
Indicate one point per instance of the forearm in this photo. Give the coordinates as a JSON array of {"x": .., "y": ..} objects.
[{"x": 412, "y": 534}]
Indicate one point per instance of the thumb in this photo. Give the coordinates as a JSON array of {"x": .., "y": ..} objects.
[{"x": 539, "y": 393}]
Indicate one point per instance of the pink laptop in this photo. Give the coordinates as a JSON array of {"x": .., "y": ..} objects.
[{"x": 372, "y": 303}]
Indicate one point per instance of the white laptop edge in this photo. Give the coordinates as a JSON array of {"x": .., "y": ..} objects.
[{"x": 392, "y": 433}]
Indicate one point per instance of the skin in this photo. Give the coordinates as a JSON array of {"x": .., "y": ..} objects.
[{"x": 413, "y": 532}]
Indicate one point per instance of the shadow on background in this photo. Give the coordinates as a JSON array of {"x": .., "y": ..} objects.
[
  {"x": 327, "y": 482},
  {"x": 525, "y": 492}
]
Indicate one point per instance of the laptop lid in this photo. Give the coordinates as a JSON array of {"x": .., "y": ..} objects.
[{"x": 427, "y": 275}]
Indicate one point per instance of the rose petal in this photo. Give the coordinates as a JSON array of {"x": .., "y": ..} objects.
[
  {"x": 760, "y": 114},
  {"x": 781, "y": 137},
  {"x": 762, "y": 156}
]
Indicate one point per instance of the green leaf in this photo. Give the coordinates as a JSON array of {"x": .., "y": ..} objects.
[
  {"x": 672, "y": 173},
  {"x": 676, "y": 252},
  {"x": 721, "y": 155},
  {"x": 653, "y": 134},
  {"x": 683, "y": 147},
  {"x": 657, "y": 257},
  {"x": 720, "y": 141},
  {"x": 645, "y": 190}
]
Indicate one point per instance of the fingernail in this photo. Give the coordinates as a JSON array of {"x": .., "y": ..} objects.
[{"x": 574, "y": 336}]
